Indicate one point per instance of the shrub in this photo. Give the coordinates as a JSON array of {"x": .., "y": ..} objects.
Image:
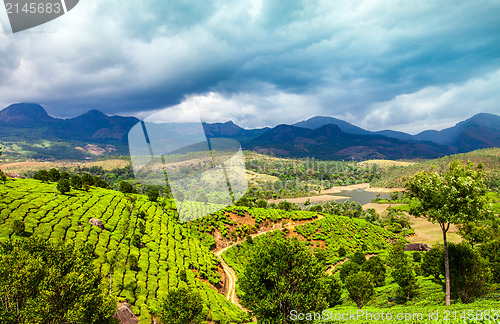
[
  {"x": 75, "y": 181},
  {"x": 360, "y": 288},
  {"x": 132, "y": 263},
  {"x": 182, "y": 306},
  {"x": 348, "y": 268},
  {"x": 18, "y": 227},
  {"x": 376, "y": 267},
  {"x": 417, "y": 256},
  {"x": 153, "y": 194},
  {"x": 63, "y": 186},
  {"x": 358, "y": 257},
  {"x": 54, "y": 175}
]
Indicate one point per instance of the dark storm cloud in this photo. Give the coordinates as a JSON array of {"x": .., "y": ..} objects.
[{"x": 261, "y": 62}]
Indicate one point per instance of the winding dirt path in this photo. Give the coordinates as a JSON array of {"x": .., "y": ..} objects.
[{"x": 231, "y": 274}]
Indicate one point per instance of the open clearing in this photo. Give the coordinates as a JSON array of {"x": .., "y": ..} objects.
[
  {"x": 386, "y": 163},
  {"x": 20, "y": 167},
  {"x": 425, "y": 231}
]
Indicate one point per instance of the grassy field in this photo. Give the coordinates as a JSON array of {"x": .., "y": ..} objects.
[
  {"x": 392, "y": 176},
  {"x": 27, "y": 166}
]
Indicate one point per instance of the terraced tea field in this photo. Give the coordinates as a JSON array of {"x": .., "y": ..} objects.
[{"x": 166, "y": 247}]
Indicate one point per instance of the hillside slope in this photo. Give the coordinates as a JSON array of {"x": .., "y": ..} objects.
[
  {"x": 392, "y": 177},
  {"x": 167, "y": 247}
]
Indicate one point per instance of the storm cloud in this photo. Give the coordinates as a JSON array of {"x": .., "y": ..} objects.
[{"x": 378, "y": 64}]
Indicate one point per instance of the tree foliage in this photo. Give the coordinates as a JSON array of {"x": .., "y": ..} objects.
[
  {"x": 402, "y": 271},
  {"x": 469, "y": 272},
  {"x": 45, "y": 283},
  {"x": 282, "y": 275},
  {"x": 3, "y": 177},
  {"x": 453, "y": 197},
  {"x": 75, "y": 181},
  {"x": 63, "y": 186},
  {"x": 126, "y": 187},
  {"x": 153, "y": 194},
  {"x": 182, "y": 306},
  {"x": 376, "y": 267},
  {"x": 360, "y": 288},
  {"x": 348, "y": 269},
  {"x": 358, "y": 257},
  {"x": 42, "y": 175},
  {"x": 54, "y": 175}
]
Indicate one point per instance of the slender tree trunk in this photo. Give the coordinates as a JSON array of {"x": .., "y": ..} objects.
[{"x": 446, "y": 264}]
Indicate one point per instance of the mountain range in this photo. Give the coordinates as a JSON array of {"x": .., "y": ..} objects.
[{"x": 319, "y": 137}]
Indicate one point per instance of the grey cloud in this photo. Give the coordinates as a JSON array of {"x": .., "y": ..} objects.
[{"x": 341, "y": 58}]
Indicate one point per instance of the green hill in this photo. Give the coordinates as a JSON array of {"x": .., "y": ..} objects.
[
  {"x": 167, "y": 246},
  {"x": 392, "y": 176}
]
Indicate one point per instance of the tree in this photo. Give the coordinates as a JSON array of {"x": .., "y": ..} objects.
[
  {"x": 404, "y": 276},
  {"x": 136, "y": 240},
  {"x": 469, "y": 272},
  {"x": 282, "y": 275},
  {"x": 202, "y": 197},
  {"x": 358, "y": 257},
  {"x": 54, "y": 175},
  {"x": 454, "y": 197},
  {"x": 3, "y": 177},
  {"x": 153, "y": 194},
  {"x": 376, "y": 267},
  {"x": 18, "y": 227},
  {"x": 63, "y": 186},
  {"x": 45, "y": 283},
  {"x": 491, "y": 252},
  {"x": 360, "y": 288},
  {"x": 87, "y": 179},
  {"x": 75, "y": 181},
  {"x": 65, "y": 175},
  {"x": 332, "y": 290},
  {"x": 431, "y": 264},
  {"x": 42, "y": 175},
  {"x": 348, "y": 269},
  {"x": 126, "y": 187},
  {"x": 183, "y": 275},
  {"x": 182, "y": 306},
  {"x": 99, "y": 183},
  {"x": 403, "y": 272}
]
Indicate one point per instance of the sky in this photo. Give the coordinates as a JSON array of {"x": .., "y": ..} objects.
[{"x": 379, "y": 64}]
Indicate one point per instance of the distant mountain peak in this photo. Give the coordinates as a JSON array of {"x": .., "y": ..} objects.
[
  {"x": 320, "y": 121},
  {"x": 93, "y": 113},
  {"x": 25, "y": 115}
]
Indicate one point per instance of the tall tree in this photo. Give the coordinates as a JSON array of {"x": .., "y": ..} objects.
[
  {"x": 453, "y": 197},
  {"x": 282, "y": 275},
  {"x": 360, "y": 288},
  {"x": 45, "y": 283}
]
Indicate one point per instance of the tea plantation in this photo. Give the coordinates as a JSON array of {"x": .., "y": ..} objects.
[{"x": 163, "y": 247}]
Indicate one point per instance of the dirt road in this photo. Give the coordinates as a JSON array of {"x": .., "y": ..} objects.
[{"x": 231, "y": 274}]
